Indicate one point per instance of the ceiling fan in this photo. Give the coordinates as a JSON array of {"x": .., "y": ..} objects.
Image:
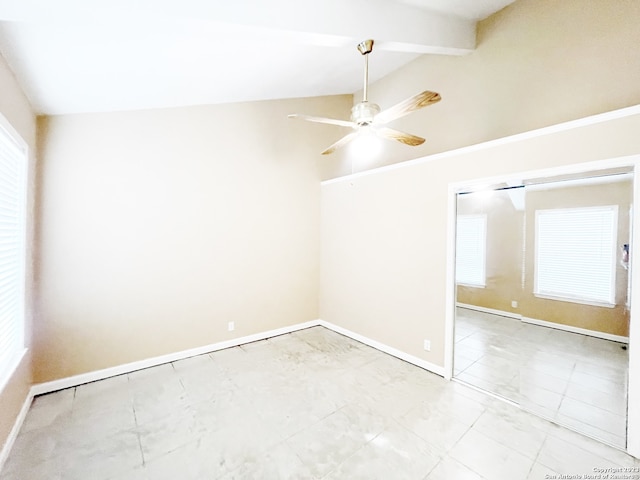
[{"x": 367, "y": 117}]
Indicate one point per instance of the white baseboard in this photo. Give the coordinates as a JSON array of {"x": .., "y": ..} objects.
[
  {"x": 502, "y": 313},
  {"x": 583, "y": 331},
  {"x": 438, "y": 370},
  {"x": 74, "y": 381},
  {"x": 13, "y": 434},
  {"x": 545, "y": 323}
]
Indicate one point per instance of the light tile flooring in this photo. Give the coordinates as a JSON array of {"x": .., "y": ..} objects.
[
  {"x": 307, "y": 405},
  {"x": 575, "y": 380}
]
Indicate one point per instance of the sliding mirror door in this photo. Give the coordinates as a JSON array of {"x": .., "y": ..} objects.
[{"x": 542, "y": 303}]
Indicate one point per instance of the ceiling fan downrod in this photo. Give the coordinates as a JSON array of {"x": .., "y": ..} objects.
[{"x": 365, "y": 48}]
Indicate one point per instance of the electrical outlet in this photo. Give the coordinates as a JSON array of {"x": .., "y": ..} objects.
[
  {"x": 514, "y": 304},
  {"x": 427, "y": 345},
  {"x": 231, "y": 326}
]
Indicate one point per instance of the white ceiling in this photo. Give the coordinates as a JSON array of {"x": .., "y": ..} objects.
[{"x": 75, "y": 56}]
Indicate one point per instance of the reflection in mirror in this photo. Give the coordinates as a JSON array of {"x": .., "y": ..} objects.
[{"x": 542, "y": 306}]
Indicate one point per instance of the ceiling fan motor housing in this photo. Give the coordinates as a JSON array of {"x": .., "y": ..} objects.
[{"x": 363, "y": 113}]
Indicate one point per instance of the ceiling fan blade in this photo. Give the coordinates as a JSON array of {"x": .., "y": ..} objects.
[
  {"x": 340, "y": 143},
  {"x": 401, "y": 137},
  {"x": 407, "y": 106},
  {"x": 330, "y": 121}
]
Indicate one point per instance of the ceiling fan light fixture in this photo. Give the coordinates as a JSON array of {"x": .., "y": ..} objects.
[
  {"x": 366, "y": 145},
  {"x": 363, "y": 113}
]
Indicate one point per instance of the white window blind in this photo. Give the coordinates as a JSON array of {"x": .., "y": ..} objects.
[
  {"x": 13, "y": 160},
  {"x": 471, "y": 247},
  {"x": 576, "y": 254}
]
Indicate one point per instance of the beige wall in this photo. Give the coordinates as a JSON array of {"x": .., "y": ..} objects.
[
  {"x": 505, "y": 246},
  {"x": 15, "y": 107},
  {"x": 384, "y": 235},
  {"x": 159, "y": 227},
  {"x": 538, "y": 63}
]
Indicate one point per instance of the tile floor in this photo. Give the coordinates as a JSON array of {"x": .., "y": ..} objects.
[
  {"x": 307, "y": 405},
  {"x": 575, "y": 380}
]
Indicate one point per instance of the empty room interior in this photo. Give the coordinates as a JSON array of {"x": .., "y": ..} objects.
[{"x": 225, "y": 253}]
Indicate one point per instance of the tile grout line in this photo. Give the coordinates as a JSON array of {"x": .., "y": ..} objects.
[
  {"x": 485, "y": 408},
  {"x": 576, "y": 361}
]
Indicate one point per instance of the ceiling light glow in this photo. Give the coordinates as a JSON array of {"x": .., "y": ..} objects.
[{"x": 366, "y": 145}]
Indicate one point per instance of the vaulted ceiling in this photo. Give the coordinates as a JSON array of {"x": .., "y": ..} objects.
[{"x": 87, "y": 56}]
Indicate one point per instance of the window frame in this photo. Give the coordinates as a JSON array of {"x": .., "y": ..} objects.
[
  {"x": 564, "y": 297},
  {"x": 483, "y": 217},
  {"x": 18, "y": 349}
]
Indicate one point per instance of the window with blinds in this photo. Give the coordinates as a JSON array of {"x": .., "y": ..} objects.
[
  {"x": 576, "y": 254},
  {"x": 471, "y": 248},
  {"x": 13, "y": 164}
]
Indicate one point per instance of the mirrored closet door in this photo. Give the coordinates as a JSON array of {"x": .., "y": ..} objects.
[{"x": 542, "y": 303}]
